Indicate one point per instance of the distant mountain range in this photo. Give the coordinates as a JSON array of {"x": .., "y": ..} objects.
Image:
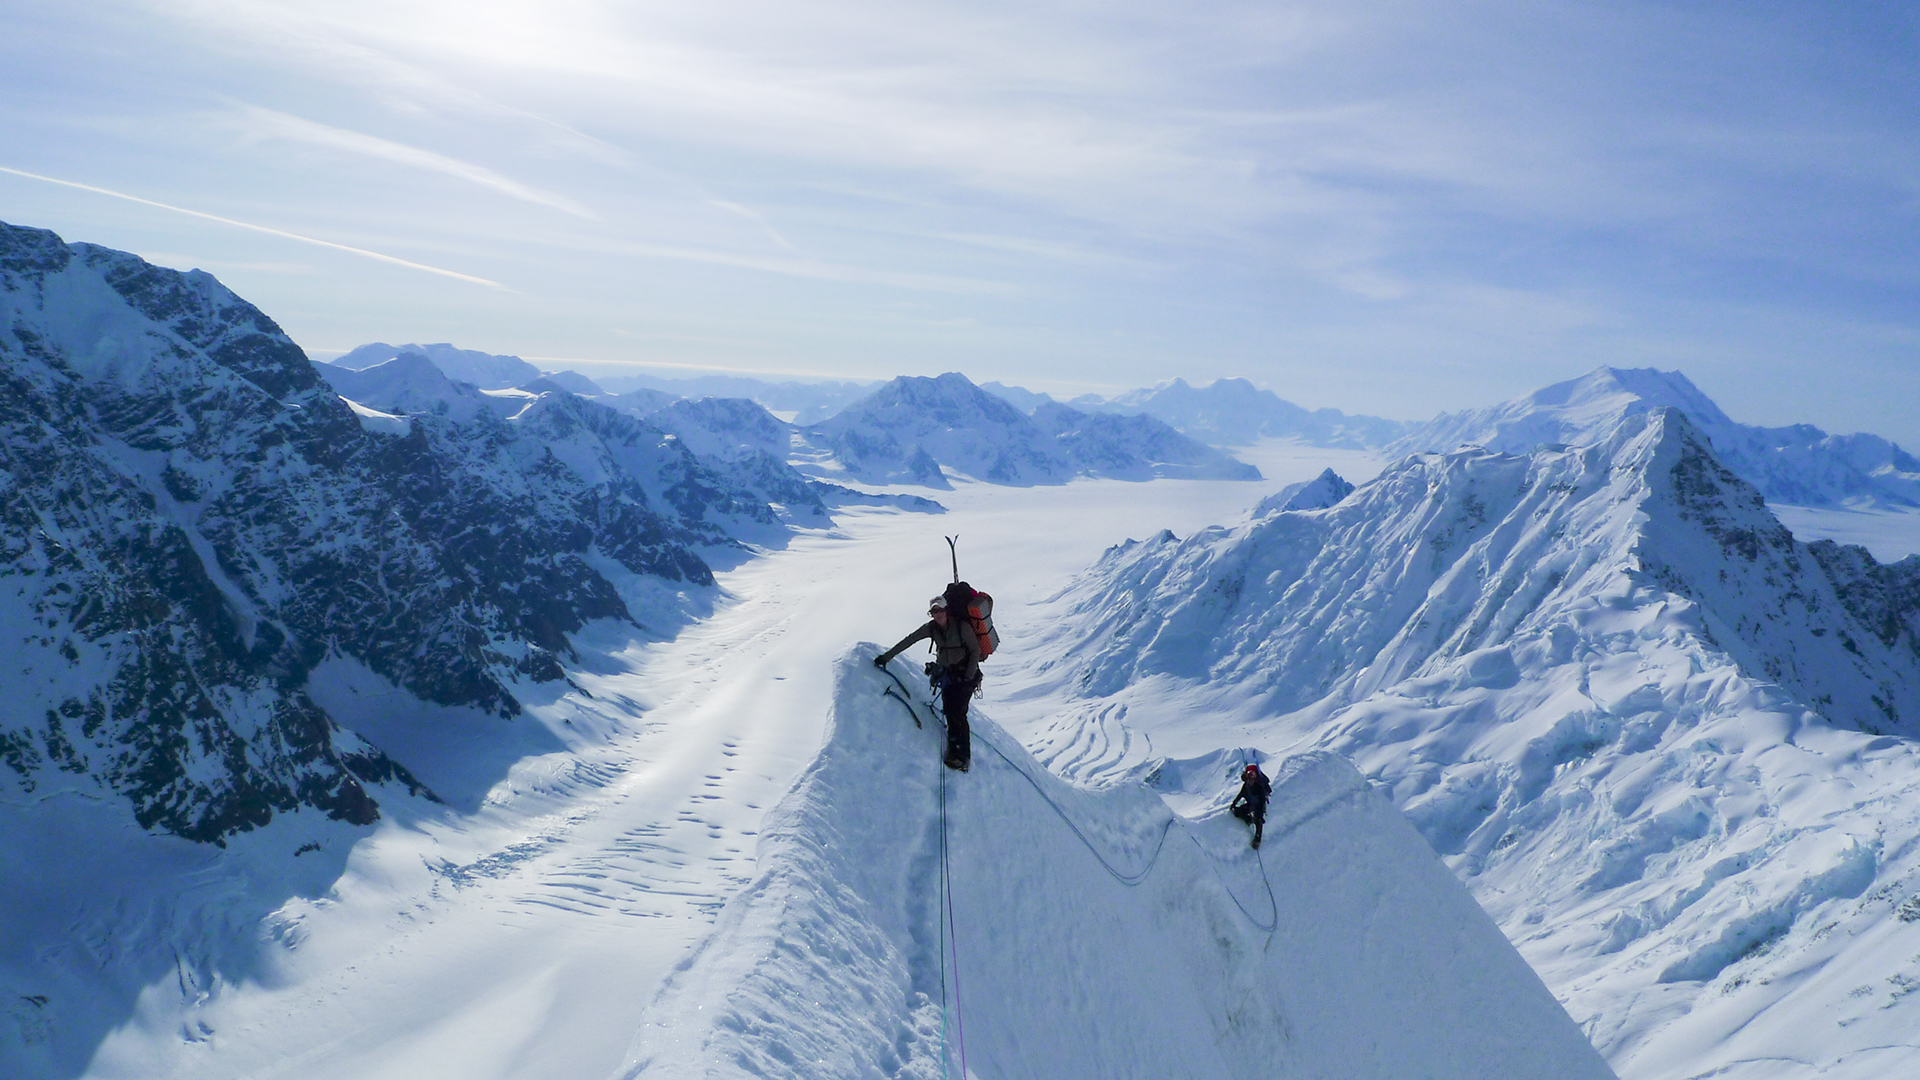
[
  {"x": 906, "y": 431},
  {"x": 485, "y": 370},
  {"x": 1226, "y": 412},
  {"x": 1799, "y": 464}
]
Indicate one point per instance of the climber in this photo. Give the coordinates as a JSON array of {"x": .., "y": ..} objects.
[
  {"x": 1251, "y": 804},
  {"x": 955, "y": 672}
]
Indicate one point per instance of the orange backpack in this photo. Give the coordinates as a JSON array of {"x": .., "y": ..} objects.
[{"x": 979, "y": 612}]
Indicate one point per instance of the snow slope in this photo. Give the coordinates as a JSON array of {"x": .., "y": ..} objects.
[
  {"x": 1669, "y": 747},
  {"x": 1089, "y": 933},
  {"x": 1800, "y": 464}
]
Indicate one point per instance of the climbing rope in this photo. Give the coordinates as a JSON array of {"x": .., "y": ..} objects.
[
  {"x": 1130, "y": 880},
  {"x": 1273, "y": 902},
  {"x": 942, "y": 922},
  {"x": 950, "y": 939}
]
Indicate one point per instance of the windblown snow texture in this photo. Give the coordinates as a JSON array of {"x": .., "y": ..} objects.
[
  {"x": 1670, "y": 747},
  {"x": 193, "y": 520},
  {"x": 1092, "y": 934},
  {"x": 906, "y": 431},
  {"x": 1800, "y": 464}
]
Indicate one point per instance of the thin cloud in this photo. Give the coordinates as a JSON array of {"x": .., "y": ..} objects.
[
  {"x": 456, "y": 275},
  {"x": 267, "y": 123}
]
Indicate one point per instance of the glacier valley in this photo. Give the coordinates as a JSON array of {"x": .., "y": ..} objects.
[{"x": 431, "y": 715}]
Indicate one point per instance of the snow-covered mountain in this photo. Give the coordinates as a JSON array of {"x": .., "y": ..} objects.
[
  {"x": 1233, "y": 412},
  {"x": 908, "y": 429},
  {"x": 1670, "y": 748},
  {"x": 802, "y": 402},
  {"x": 410, "y": 383},
  {"x": 1100, "y": 935},
  {"x": 1799, "y": 464},
  {"x": 1316, "y": 494},
  {"x": 485, "y": 370},
  {"x": 726, "y": 427},
  {"x": 1134, "y": 447},
  {"x": 195, "y": 521},
  {"x": 1017, "y": 396}
]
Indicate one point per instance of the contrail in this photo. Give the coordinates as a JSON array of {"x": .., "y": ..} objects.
[{"x": 257, "y": 228}]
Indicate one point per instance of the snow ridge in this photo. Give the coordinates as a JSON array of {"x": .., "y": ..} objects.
[
  {"x": 1670, "y": 748},
  {"x": 834, "y": 963}
]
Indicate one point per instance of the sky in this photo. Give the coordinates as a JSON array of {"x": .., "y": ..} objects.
[{"x": 1390, "y": 208}]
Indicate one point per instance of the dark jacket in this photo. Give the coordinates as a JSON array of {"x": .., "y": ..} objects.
[
  {"x": 957, "y": 647},
  {"x": 1254, "y": 793}
]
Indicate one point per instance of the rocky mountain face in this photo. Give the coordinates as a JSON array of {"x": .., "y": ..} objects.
[
  {"x": 194, "y": 519},
  {"x": 908, "y": 429},
  {"x": 1799, "y": 464},
  {"x": 1233, "y": 412},
  {"x": 1670, "y": 747}
]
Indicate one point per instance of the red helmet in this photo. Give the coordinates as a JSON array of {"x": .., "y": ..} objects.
[{"x": 1250, "y": 771}]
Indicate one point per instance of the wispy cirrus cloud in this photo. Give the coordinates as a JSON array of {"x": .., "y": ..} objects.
[
  {"x": 268, "y": 230},
  {"x": 261, "y": 123}
]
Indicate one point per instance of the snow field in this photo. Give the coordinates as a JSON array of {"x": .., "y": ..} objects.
[
  {"x": 1090, "y": 934},
  {"x": 519, "y": 931}
]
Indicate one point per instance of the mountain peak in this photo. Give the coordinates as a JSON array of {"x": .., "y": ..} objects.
[{"x": 1800, "y": 464}]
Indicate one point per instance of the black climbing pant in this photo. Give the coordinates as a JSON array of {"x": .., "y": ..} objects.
[
  {"x": 955, "y": 694},
  {"x": 1254, "y": 814}
]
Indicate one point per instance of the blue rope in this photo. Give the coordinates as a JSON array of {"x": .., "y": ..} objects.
[
  {"x": 952, "y": 935},
  {"x": 1136, "y": 879},
  {"x": 942, "y": 922}
]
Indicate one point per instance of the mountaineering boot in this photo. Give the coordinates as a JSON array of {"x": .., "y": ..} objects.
[
  {"x": 956, "y": 762},
  {"x": 1256, "y": 843}
]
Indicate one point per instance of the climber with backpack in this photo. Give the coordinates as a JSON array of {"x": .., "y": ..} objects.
[
  {"x": 960, "y": 626},
  {"x": 1251, "y": 804}
]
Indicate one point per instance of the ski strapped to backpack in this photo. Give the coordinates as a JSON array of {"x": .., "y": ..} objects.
[{"x": 977, "y": 605}]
